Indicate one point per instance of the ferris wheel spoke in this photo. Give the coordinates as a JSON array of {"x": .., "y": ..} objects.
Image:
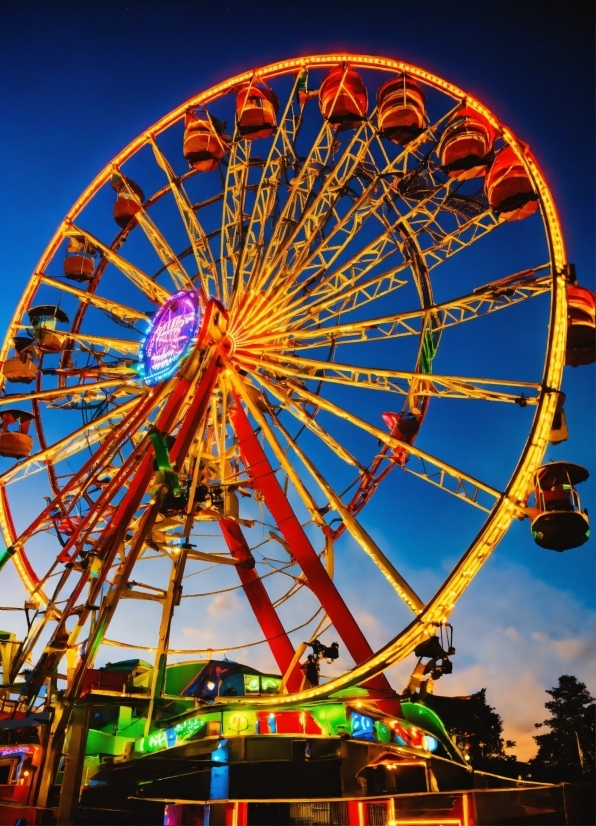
[
  {"x": 397, "y": 237},
  {"x": 154, "y": 292},
  {"x": 357, "y": 532},
  {"x": 74, "y": 390},
  {"x": 350, "y": 296},
  {"x": 282, "y": 155},
  {"x": 340, "y": 285},
  {"x": 462, "y": 484},
  {"x": 70, "y": 445},
  {"x": 113, "y": 308},
  {"x": 346, "y": 282},
  {"x": 498, "y": 295},
  {"x": 396, "y": 381},
  {"x": 206, "y": 267},
  {"x": 311, "y": 263},
  {"x": 129, "y": 348},
  {"x": 166, "y": 254},
  {"x": 447, "y": 245},
  {"x": 314, "y": 214},
  {"x": 301, "y": 188},
  {"x": 304, "y": 418},
  {"x": 233, "y": 217}
]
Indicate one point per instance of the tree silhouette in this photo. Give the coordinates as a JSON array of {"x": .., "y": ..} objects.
[
  {"x": 566, "y": 752},
  {"x": 477, "y": 729}
]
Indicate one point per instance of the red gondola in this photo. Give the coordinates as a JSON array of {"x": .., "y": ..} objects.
[
  {"x": 204, "y": 145},
  {"x": 508, "y": 188},
  {"x": 21, "y": 367},
  {"x": 256, "y": 112},
  {"x": 581, "y": 326},
  {"x": 403, "y": 426},
  {"x": 466, "y": 145},
  {"x": 343, "y": 97},
  {"x": 79, "y": 263},
  {"x": 126, "y": 206},
  {"x": 401, "y": 110},
  {"x": 559, "y": 524},
  {"x": 16, "y": 444}
]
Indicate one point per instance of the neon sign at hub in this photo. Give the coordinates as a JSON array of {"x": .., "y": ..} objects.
[{"x": 171, "y": 336}]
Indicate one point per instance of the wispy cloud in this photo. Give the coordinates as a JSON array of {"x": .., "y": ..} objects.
[
  {"x": 515, "y": 635},
  {"x": 224, "y": 604}
]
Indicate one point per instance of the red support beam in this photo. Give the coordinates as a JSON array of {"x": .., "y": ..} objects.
[
  {"x": 319, "y": 581},
  {"x": 260, "y": 602},
  {"x": 138, "y": 487},
  {"x": 109, "y": 543}
]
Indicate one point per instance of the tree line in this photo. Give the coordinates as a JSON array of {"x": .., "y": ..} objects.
[{"x": 565, "y": 748}]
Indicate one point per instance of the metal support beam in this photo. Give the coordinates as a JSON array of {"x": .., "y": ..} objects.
[
  {"x": 260, "y": 602},
  {"x": 73, "y": 770},
  {"x": 319, "y": 581}
]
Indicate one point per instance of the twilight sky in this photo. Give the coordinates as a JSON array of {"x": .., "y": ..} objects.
[{"x": 80, "y": 80}]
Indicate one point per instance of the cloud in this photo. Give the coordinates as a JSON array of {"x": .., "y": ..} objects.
[
  {"x": 224, "y": 604},
  {"x": 365, "y": 619},
  {"x": 197, "y": 634},
  {"x": 516, "y": 635}
]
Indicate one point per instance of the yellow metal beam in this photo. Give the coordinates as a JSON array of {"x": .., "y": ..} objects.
[
  {"x": 154, "y": 292},
  {"x": 206, "y": 268},
  {"x": 394, "y": 381}
]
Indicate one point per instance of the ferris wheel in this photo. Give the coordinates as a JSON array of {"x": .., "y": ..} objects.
[{"x": 244, "y": 357}]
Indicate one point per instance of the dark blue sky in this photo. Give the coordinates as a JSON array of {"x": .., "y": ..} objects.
[{"x": 79, "y": 80}]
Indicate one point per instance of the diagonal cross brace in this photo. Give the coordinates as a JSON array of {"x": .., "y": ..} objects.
[
  {"x": 260, "y": 602},
  {"x": 319, "y": 581}
]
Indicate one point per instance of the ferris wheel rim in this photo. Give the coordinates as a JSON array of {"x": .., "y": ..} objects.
[{"x": 506, "y": 509}]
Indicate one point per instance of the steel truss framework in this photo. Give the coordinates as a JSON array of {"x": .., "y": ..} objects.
[{"x": 308, "y": 239}]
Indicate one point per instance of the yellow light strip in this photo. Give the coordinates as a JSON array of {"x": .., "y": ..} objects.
[
  {"x": 521, "y": 481},
  {"x": 368, "y": 545},
  {"x": 78, "y": 440},
  {"x": 62, "y": 392}
]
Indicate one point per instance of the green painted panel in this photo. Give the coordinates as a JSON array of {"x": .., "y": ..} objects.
[
  {"x": 179, "y": 675},
  {"x": 331, "y": 717},
  {"x": 177, "y": 734},
  {"x": 98, "y": 742},
  {"x": 353, "y": 691},
  {"x": 428, "y": 720},
  {"x": 383, "y": 732}
]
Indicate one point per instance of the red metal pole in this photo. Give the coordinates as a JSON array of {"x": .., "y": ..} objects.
[
  {"x": 110, "y": 444},
  {"x": 109, "y": 543},
  {"x": 131, "y": 501},
  {"x": 260, "y": 602},
  {"x": 356, "y": 813},
  {"x": 319, "y": 580}
]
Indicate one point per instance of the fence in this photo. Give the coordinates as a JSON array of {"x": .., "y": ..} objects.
[{"x": 562, "y": 805}]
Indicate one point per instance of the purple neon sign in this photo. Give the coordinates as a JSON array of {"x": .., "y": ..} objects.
[{"x": 171, "y": 336}]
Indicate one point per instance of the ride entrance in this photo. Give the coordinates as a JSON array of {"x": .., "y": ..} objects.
[{"x": 324, "y": 352}]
